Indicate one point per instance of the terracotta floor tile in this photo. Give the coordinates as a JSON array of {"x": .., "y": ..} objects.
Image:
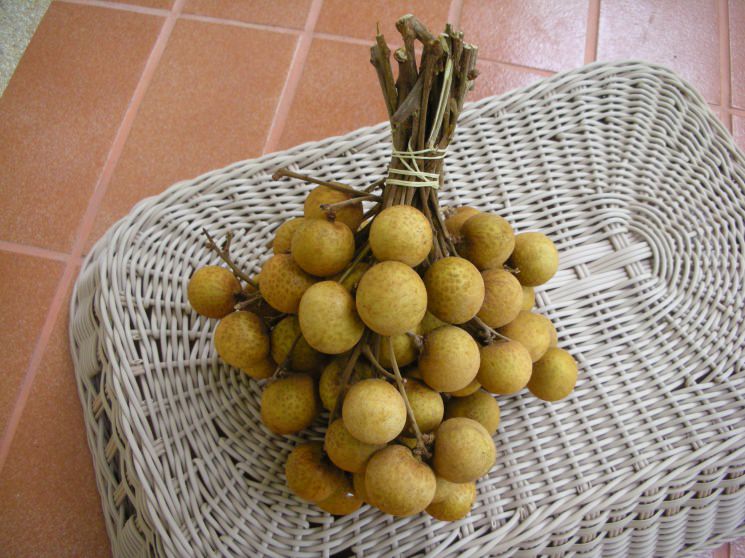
[
  {"x": 59, "y": 116},
  {"x": 290, "y": 13},
  {"x": 210, "y": 103},
  {"x": 359, "y": 19},
  {"x": 682, "y": 35},
  {"x": 338, "y": 92},
  {"x": 737, "y": 51},
  {"x": 27, "y": 285},
  {"x": 163, "y": 4},
  {"x": 496, "y": 79},
  {"x": 540, "y": 33},
  {"x": 50, "y": 504},
  {"x": 738, "y": 131}
]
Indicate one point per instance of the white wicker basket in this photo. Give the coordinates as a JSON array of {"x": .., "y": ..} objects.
[{"x": 643, "y": 191}]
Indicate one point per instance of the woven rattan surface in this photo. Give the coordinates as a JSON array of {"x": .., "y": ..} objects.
[{"x": 642, "y": 190}]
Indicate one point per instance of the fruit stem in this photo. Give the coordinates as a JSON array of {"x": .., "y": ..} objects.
[
  {"x": 357, "y": 259},
  {"x": 330, "y": 208},
  {"x": 490, "y": 332},
  {"x": 338, "y": 186},
  {"x": 421, "y": 446},
  {"x": 284, "y": 365},
  {"x": 224, "y": 254},
  {"x": 374, "y": 361},
  {"x": 346, "y": 374}
]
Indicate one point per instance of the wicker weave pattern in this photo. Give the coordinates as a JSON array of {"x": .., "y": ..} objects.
[{"x": 643, "y": 191}]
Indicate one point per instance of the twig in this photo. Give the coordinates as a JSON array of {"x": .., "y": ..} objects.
[
  {"x": 490, "y": 332},
  {"x": 357, "y": 259},
  {"x": 346, "y": 374},
  {"x": 225, "y": 256},
  {"x": 367, "y": 352},
  {"x": 280, "y": 173},
  {"x": 330, "y": 208}
]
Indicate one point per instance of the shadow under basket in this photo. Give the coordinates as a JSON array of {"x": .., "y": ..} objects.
[{"x": 643, "y": 191}]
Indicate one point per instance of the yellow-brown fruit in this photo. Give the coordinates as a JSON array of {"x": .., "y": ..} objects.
[
  {"x": 503, "y": 298},
  {"x": 456, "y": 505},
  {"x": 473, "y": 387},
  {"x": 282, "y": 283},
  {"x": 398, "y": 483},
  {"x": 553, "y": 335},
  {"x": 346, "y": 451},
  {"x": 283, "y": 236},
  {"x": 328, "y": 318},
  {"x": 464, "y": 450},
  {"x": 374, "y": 411},
  {"x": 289, "y": 404},
  {"x": 554, "y": 375},
  {"x": 401, "y": 233},
  {"x": 353, "y": 277},
  {"x": 479, "y": 406},
  {"x": 286, "y": 335},
  {"x": 262, "y": 369},
  {"x": 330, "y": 382},
  {"x": 342, "y": 502},
  {"x": 404, "y": 348},
  {"x": 536, "y": 258},
  {"x": 358, "y": 483},
  {"x": 455, "y": 222},
  {"x": 528, "y": 298},
  {"x": 241, "y": 340},
  {"x": 488, "y": 240},
  {"x": 531, "y": 331},
  {"x": 391, "y": 298},
  {"x": 212, "y": 290},
  {"x": 309, "y": 477},
  {"x": 505, "y": 367},
  {"x": 449, "y": 359},
  {"x": 429, "y": 323},
  {"x": 455, "y": 289},
  {"x": 322, "y": 247},
  {"x": 427, "y": 405},
  {"x": 350, "y": 215}
]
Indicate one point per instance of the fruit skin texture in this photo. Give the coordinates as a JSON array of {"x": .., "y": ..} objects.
[
  {"x": 528, "y": 298},
  {"x": 330, "y": 383},
  {"x": 262, "y": 369},
  {"x": 391, "y": 298},
  {"x": 401, "y": 233},
  {"x": 211, "y": 291},
  {"x": 488, "y": 240},
  {"x": 374, "y": 411},
  {"x": 505, "y": 367},
  {"x": 397, "y": 483},
  {"x": 283, "y": 235},
  {"x": 473, "y": 387},
  {"x": 342, "y": 502},
  {"x": 449, "y": 360},
  {"x": 328, "y": 318},
  {"x": 464, "y": 450},
  {"x": 350, "y": 215},
  {"x": 282, "y": 283},
  {"x": 289, "y": 404},
  {"x": 455, "y": 222},
  {"x": 304, "y": 358},
  {"x": 503, "y": 298},
  {"x": 456, "y": 505},
  {"x": 479, "y": 406},
  {"x": 427, "y": 405},
  {"x": 321, "y": 247},
  {"x": 346, "y": 451},
  {"x": 554, "y": 376},
  {"x": 529, "y": 329},
  {"x": 455, "y": 289},
  {"x": 309, "y": 477},
  {"x": 241, "y": 340},
  {"x": 430, "y": 322},
  {"x": 536, "y": 257}
]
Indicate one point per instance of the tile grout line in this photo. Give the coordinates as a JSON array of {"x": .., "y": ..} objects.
[
  {"x": 243, "y": 24},
  {"x": 34, "y": 251},
  {"x": 84, "y": 228},
  {"x": 593, "y": 30},
  {"x": 724, "y": 62},
  {"x": 292, "y": 80},
  {"x": 455, "y": 12}
]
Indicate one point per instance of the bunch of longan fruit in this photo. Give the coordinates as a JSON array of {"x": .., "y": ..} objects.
[{"x": 358, "y": 314}]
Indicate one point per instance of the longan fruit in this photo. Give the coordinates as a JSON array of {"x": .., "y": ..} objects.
[
  {"x": 286, "y": 335},
  {"x": 456, "y": 504},
  {"x": 479, "y": 406},
  {"x": 328, "y": 318},
  {"x": 531, "y": 330},
  {"x": 330, "y": 382},
  {"x": 398, "y": 483},
  {"x": 374, "y": 411},
  {"x": 536, "y": 258},
  {"x": 289, "y": 404},
  {"x": 528, "y": 298},
  {"x": 358, "y": 483},
  {"x": 505, "y": 367},
  {"x": 212, "y": 291},
  {"x": 429, "y": 323},
  {"x": 350, "y": 215},
  {"x": 488, "y": 240},
  {"x": 426, "y": 403},
  {"x": 262, "y": 369},
  {"x": 283, "y": 235},
  {"x": 401, "y": 233},
  {"x": 473, "y": 387},
  {"x": 391, "y": 298},
  {"x": 449, "y": 359},
  {"x": 322, "y": 247},
  {"x": 342, "y": 502},
  {"x": 554, "y": 375},
  {"x": 464, "y": 450},
  {"x": 282, "y": 283},
  {"x": 241, "y": 340},
  {"x": 455, "y": 222},
  {"x": 503, "y": 298},
  {"x": 353, "y": 277},
  {"x": 552, "y": 333},
  {"x": 455, "y": 289},
  {"x": 405, "y": 350},
  {"x": 346, "y": 451},
  {"x": 309, "y": 476}
]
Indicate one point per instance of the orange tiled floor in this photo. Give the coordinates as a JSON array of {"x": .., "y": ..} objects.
[{"x": 114, "y": 101}]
